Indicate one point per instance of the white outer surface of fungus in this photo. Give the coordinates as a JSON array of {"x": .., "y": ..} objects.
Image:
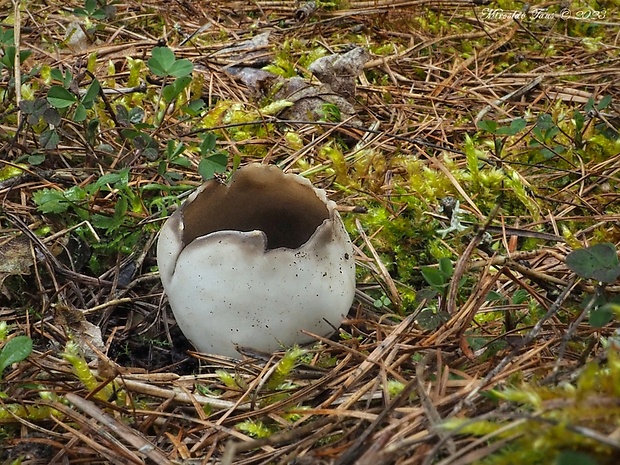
[{"x": 227, "y": 288}]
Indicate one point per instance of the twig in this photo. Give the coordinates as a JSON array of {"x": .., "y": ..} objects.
[
  {"x": 463, "y": 261},
  {"x": 155, "y": 391},
  {"x": 17, "y": 62},
  {"x": 233, "y": 447},
  {"x": 571, "y": 331},
  {"x": 127, "y": 434},
  {"x": 516, "y": 93},
  {"x": 356, "y": 449},
  {"x": 533, "y": 334}
]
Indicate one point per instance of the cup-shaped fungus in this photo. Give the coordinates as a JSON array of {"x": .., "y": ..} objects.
[{"x": 255, "y": 262}]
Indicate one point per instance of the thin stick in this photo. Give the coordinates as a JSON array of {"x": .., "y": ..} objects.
[
  {"x": 127, "y": 434},
  {"x": 527, "y": 340}
]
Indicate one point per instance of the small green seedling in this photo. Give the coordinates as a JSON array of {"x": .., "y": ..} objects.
[
  {"x": 92, "y": 10},
  {"x": 164, "y": 64},
  {"x": 438, "y": 278},
  {"x": 503, "y": 132},
  {"x": 213, "y": 161}
]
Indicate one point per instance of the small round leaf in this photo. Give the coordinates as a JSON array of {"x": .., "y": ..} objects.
[
  {"x": 601, "y": 316},
  {"x": 598, "y": 262}
]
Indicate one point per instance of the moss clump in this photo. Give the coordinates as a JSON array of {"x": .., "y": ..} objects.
[{"x": 548, "y": 422}]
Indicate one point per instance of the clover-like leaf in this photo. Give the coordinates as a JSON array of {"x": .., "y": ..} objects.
[
  {"x": 515, "y": 126},
  {"x": 163, "y": 63},
  {"x": 59, "y": 97},
  {"x": 599, "y": 317},
  {"x": 172, "y": 91},
  {"x": 181, "y": 68},
  {"x": 487, "y": 125},
  {"x": 80, "y": 113},
  {"x": 49, "y": 139},
  {"x": 212, "y": 164},
  {"x": 599, "y": 262},
  {"x": 91, "y": 94},
  {"x": 208, "y": 143}
]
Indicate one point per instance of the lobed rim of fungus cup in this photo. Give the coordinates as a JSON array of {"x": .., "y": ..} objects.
[{"x": 255, "y": 261}]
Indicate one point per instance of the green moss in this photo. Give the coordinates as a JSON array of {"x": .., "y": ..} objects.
[{"x": 546, "y": 418}]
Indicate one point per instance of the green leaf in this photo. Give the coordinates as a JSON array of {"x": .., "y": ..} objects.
[
  {"x": 112, "y": 223},
  {"x": 161, "y": 61},
  {"x": 49, "y": 139},
  {"x": 35, "y": 109},
  {"x": 215, "y": 163},
  {"x": 604, "y": 103},
  {"x": 569, "y": 457},
  {"x": 51, "y": 116},
  {"x": 173, "y": 150},
  {"x": 544, "y": 122},
  {"x": 172, "y": 91},
  {"x": 36, "y": 159},
  {"x": 208, "y": 143},
  {"x": 181, "y": 68},
  {"x": 59, "y": 97},
  {"x": 7, "y": 37},
  {"x": 433, "y": 276},
  {"x": 100, "y": 14},
  {"x": 103, "y": 181},
  {"x": 445, "y": 266},
  {"x": 599, "y": 262},
  {"x": 15, "y": 350},
  {"x": 516, "y": 126},
  {"x": 194, "y": 107},
  {"x": 520, "y": 296},
  {"x": 120, "y": 209},
  {"x": 91, "y": 131},
  {"x": 91, "y": 94},
  {"x": 150, "y": 153},
  {"x": 8, "y": 59},
  {"x": 75, "y": 194},
  {"x": 599, "y": 317},
  {"x": 430, "y": 319},
  {"x": 53, "y": 201},
  {"x": 579, "y": 120},
  {"x": 493, "y": 296},
  {"x": 24, "y": 54},
  {"x": 57, "y": 75},
  {"x": 136, "y": 115},
  {"x": 487, "y": 125},
  {"x": 80, "y": 113},
  {"x": 181, "y": 161},
  {"x": 90, "y": 6}
]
